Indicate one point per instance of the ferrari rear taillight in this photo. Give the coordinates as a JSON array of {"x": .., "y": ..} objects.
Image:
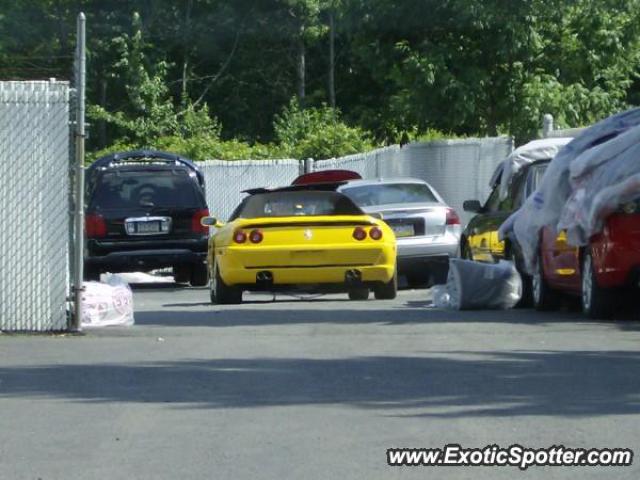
[
  {"x": 196, "y": 226},
  {"x": 255, "y": 236},
  {"x": 375, "y": 233},
  {"x": 359, "y": 233},
  {"x": 452, "y": 217},
  {"x": 239, "y": 236},
  {"x": 95, "y": 226}
]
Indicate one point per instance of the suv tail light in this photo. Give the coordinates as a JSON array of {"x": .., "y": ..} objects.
[
  {"x": 359, "y": 233},
  {"x": 375, "y": 233},
  {"x": 239, "y": 236},
  {"x": 196, "y": 226},
  {"x": 452, "y": 217},
  {"x": 95, "y": 226},
  {"x": 256, "y": 236}
]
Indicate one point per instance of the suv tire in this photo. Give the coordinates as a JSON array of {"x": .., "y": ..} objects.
[{"x": 199, "y": 275}]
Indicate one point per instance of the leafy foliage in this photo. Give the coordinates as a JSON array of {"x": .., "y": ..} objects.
[
  {"x": 317, "y": 133},
  {"x": 181, "y": 71}
]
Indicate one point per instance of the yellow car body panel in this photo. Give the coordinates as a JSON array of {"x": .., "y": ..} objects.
[
  {"x": 303, "y": 250},
  {"x": 486, "y": 246}
]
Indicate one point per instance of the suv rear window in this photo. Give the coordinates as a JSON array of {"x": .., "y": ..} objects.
[
  {"x": 121, "y": 189},
  {"x": 304, "y": 203}
]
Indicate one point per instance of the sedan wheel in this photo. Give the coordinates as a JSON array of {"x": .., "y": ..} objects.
[
  {"x": 596, "y": 301},
  {"x": 544, "y": 297}
]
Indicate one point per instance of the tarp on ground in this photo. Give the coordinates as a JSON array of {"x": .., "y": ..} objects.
[{"x": 475, "y": 286}]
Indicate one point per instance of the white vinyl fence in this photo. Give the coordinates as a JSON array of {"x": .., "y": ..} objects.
[
  {"x": 458, "y": 169},
  {"x": 34, "y": 205}
]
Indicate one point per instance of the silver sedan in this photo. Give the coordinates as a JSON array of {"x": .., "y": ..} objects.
[{"x": 426, "y": 228}]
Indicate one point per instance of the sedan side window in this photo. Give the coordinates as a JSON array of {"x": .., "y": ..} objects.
[{"x": 493, "y": 202}]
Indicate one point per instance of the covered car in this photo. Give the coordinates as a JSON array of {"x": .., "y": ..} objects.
[
  {"x": 513, "y": 181},
  {"x": 580, "y": 228}
]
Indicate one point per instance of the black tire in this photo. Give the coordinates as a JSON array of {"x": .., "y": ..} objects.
[
  {"x": 221, "y": 293},
  {"x": 526, "y": 301},
  {"x": 544, "y": 297},
  {"x": 358, "y": 294},
  {"x": 465, "y": 251},
  {"x": 597, "y": 302},
  {"x": 387, "y": 291},
  {"x": 199, "y": 275},
  {"x": 416, "y": 280},
  {"x": 181, "y": 274},
  {"x": 91, "y": 274}
]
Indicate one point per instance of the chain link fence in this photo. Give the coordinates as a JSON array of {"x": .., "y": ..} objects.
[
  {"x": 226, "y": 180},
  {"x": 458, "y": 169},
  {"x": 34, "y": 205}
]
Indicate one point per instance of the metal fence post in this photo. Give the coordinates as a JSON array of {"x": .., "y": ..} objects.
[
  {"x": 547, "y": 125},
  {"x": 308, "y": 165},
  {"x": 80, "y": 136}
]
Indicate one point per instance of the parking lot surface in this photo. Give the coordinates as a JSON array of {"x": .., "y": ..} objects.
[{"x": 313, "y": 388}]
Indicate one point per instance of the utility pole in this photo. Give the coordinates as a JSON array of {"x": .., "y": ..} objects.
[{"x": 80, "y": 81}]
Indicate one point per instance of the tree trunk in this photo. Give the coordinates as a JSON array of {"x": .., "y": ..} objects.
[
  {"x": 185, "y": 53},
  {"x": 332, "y": 58},
  {"x": 301, "y": 67},
  {"x": 102, "y": 126}
]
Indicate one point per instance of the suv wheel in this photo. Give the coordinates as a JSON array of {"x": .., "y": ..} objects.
[
  {"x": 596, "y": 301},
  {"x": 199, "y": 275},
  {"x": 181, "y": 274},
  {"x": 387, "y": 291},
  {"x": 221, "y": 293},
  {"x": 543, "y": 296},
  {"x": 91, "y": 274}
]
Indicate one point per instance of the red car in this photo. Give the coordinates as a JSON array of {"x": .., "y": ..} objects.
[
  {"x": 598, "y": 273},
  {"x": 326, "y": 176}
]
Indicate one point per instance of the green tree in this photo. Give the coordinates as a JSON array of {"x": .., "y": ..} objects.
[
  {"x": 151, "y": 111},
  {"x": 317, "y": 133}
]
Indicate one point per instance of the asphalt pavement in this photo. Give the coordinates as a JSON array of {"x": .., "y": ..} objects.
[{"x": 313, "y": 388}]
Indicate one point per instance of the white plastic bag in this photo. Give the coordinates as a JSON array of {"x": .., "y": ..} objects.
[
  {"x": 107, "y": 304},
  {"x": 475, "y": 285}
]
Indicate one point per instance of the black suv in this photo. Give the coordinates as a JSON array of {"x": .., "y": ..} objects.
[{"x": 143, "y": 213}]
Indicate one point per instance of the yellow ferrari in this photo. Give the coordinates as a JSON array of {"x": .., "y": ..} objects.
[{"x": 295, "y": 238}]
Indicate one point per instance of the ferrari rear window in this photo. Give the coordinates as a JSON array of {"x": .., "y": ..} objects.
[{"x": 293, "y": 204}]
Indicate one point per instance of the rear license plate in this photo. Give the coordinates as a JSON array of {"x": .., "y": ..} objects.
[
  {"x": 403, "y": 230},
  {"x": 147, "y": 225}
]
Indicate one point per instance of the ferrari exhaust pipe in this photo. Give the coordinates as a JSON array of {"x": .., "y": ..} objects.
[
  {"x": 352, "y": 277},
  {"x": 264, "y": 277}
]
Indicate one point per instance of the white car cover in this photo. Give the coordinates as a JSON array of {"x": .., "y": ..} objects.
[
  {"x": 543, "y": 149},
  {"x": 585, "y": 182}
]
